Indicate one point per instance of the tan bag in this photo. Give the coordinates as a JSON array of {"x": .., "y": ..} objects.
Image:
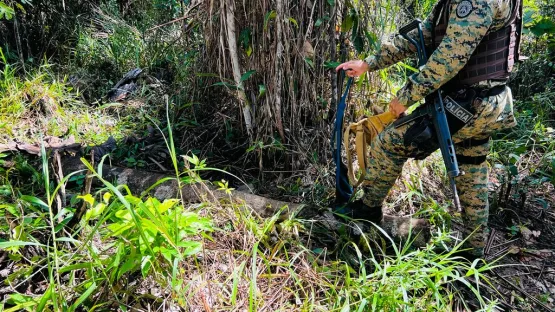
[{"x": 365, "y": 131}]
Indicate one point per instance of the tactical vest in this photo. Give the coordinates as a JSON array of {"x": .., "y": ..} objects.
[{"x": 494, "y": 56}]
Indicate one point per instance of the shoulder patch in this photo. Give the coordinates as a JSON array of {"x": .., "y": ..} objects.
[{"x": 464, "y": 9}]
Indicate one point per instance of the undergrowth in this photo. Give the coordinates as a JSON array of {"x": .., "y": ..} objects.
[
  {"x": 110, "y": 249},
  {"x": 44, "y": 104}
]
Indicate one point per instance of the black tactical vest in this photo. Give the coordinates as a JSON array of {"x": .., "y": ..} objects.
[{"x": 494, "y": 56}]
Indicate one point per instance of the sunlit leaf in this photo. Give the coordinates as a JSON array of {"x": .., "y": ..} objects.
[{"x": 270, "y": 15}]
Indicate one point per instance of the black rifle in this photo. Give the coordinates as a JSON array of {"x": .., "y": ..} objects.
[{"x": 437, "y": 112}]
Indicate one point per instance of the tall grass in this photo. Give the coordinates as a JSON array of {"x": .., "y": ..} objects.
[{"x": 125, "y": 243}]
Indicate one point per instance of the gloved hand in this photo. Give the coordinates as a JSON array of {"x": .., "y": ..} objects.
[{"x": 374, "y": 125}]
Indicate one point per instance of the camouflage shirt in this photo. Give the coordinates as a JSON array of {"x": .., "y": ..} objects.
[{"x": 469, "y": 22}]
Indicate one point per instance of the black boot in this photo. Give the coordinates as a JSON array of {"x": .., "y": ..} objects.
[{"x": 357, "y": 210}]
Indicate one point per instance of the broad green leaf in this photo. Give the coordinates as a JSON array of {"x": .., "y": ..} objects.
[
  {"x": 331, "y": 65},
  {"x": 83, "y": 297},
  {"x": 21, "y": 307},
  {"x": 318, "y": 22},
  {"x": 347, "y": 24},
  {"x": 127, "y": 266},
  {"x": 247, "y": 75},
  {"x": 106, "y": 197},
  {"x": 513, "y": 170},
  {"x": 166, "y": 205},
  {"x": 11, "y": 208},
  {"x": 528, "y": 17},
  {"x": 45, "y": 298},
  {"x": 359, "y": 44},
  {"x": 190, "y": 247},
  {"x": 123, "y": 214},
  {"x": 89, "y": 199},
  {"x": 63, "y": 224},
  {"x": 6, "y": 11},
  {"x": 118, "y": 228},
  {"x": 34, "y": 201}
]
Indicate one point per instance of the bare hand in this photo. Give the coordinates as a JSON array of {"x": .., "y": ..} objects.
[
  {"x": 396, "y": 107},
  {"x": 354, "y": 68}
]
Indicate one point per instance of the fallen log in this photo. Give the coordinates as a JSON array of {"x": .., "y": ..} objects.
[{"x": 398, "y": 228}]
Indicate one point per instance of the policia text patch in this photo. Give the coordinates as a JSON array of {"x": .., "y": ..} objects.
[{"x": 456, "y": 110}]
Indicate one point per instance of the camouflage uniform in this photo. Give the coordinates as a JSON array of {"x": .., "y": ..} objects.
[{"x": 388, "y": 152}]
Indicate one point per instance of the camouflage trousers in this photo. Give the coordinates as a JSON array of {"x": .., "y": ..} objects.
[{"x": 388, "y": 154}]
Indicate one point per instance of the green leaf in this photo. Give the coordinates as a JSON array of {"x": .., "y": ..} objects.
[
  {"x": 62, "y": 224},
  {"x": 166, "y": 205},
  {"x": 347, "y": 23},
  {"x": 331, "y": 65},
  {"x": 190, "y": 248},
  {"x": 10, "y": 244},
  {"x": 89, "y": 199},
  {"x": 309, "y": 62},
  {"x": 146, "y": 264},
  {"x": 261, "y": 90},
  {"x": 6, "y": 11},
  {"x": 127, "y": 266},
  {"x": 270, "y": 15},
  {"x": 318, "y": 22},
  {"x": 513, "y": 170},
  {"x": 528, "y": 16},
  {"x": 245, "y": 38},
  {"x": 44, "y": 299},
  {"x": 106, "y": 197},
  {"x": 77, "y": 266},
  {"x": 373, "y": 40},
  {"x": 544, "y": 26},
  {"x": 359, "y": 44},
  {"x": 331, "y": 2},
  {"x": 83, "y": 297},
  {"x": 294, "y": 22},
  {"x": 21, "y": 307},
  {"x": 226, "y": 84},
  {"x": 11, "y": 208},
  {"x": 247, "y": 75},
  {"x": 405, "y": 65},
  {"x": 34, "y": 201}
]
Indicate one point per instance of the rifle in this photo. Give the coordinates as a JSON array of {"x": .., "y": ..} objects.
[{"x": 437, "y": 113}]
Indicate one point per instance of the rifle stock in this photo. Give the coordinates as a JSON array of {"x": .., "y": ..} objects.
[{"x": 438, "y": 114}]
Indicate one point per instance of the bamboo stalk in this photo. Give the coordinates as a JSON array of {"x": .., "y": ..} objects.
[{"x": 236, "y": 68}]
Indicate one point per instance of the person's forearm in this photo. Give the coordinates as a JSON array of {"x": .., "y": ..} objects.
[{"x": 461, "y": 39}]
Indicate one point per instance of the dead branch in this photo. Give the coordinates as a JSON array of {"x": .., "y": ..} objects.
[{"x": 399, "y": 228}]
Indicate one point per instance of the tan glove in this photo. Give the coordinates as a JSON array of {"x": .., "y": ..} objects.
[{"x": 365, "y": 131}]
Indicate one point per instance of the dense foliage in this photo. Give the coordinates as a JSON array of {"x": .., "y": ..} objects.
[{"x": 247, "y": 87}]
